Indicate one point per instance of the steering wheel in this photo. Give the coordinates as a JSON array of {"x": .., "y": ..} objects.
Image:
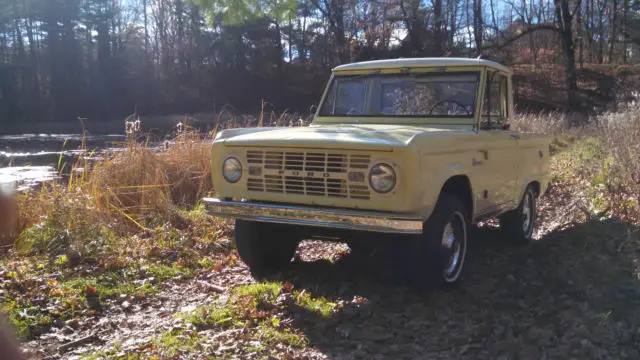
[{"x": 449, "y": 101}]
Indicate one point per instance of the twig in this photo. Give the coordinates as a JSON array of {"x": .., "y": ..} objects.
[
  {"x": 81, "y": 341},
  {"x": 215, "y": 288},
  {"x": 227, "y": 332}
]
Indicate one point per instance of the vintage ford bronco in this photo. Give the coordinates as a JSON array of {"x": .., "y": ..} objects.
[{"x": 413, "y": 149}]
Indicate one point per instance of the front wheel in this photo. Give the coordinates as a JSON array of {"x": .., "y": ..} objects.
[
  {"x": 518, "y": 224},
  {"x": 265, "y": 248},
  {"x": 439, "y": 254}
]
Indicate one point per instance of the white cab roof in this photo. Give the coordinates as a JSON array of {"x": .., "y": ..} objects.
[{"x": 420, "y": 62}]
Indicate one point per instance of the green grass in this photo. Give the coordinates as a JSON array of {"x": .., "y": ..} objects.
[
  {"x": 65, "y": 297},
  {"x": 172, "y": 343},
  {"x": 27, "y": 319},
  {"x": 273, "y": 336},
  {"x": 316, "y": 304},
  {"x": 589, "y": 149},
  {"x": 208, "y": 316},
  {"x": 265, "y": 291},
  {"x": 108, "y": 353},
  {"x": 257, "y": 306},
  {"x": 561, "y": 142}
]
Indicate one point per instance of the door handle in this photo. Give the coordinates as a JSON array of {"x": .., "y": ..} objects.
[
  {"x": 515, "y": 136},
  {"x": 485, "y": 153}
]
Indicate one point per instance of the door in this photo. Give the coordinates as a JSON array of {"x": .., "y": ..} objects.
[{"x": 501, "y": 145}]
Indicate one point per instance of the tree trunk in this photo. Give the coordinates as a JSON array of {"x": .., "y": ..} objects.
[
  {"x": 614, "y": 28},
  {"x": 438, "y": 33},
  {"x": 625, "y": 23},
  {"x": 565, "y": 21},
  {"x": 589, "y": 28},
  {"x": 478, "y": 25},
  {"x": 290, "y": 39},
  {"x": 625, "y": 28},
  {"x": 601, "y": 31},
  {"x": 580, "y": 32},
  {"x": 179, "y": 6},
  {"x": 453, "y": 25},
  {"x": 146, "y": 27}
]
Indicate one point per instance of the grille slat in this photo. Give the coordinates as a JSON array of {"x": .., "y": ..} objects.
[
  {"x": 315, "y": 168},
  {"x": 255, "y": 157},
  {"x": 255, "y": 184},
  {"x": 273, "y": 183}
]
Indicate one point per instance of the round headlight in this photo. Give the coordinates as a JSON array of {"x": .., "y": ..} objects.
[
  {"x": 382, "y": 178},
  {"x": 232, "y": 169}
]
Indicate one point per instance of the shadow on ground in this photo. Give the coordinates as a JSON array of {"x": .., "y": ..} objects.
[{"x": 572, "y": 294}]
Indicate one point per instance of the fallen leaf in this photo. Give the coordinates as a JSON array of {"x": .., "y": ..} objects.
[
  {"x": 288, "y": 287},
  {"x": 90, "y": 290},
  {"x": 359, "y": 300}
]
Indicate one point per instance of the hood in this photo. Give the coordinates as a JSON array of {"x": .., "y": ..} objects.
[{"x": 359, "y": 136}]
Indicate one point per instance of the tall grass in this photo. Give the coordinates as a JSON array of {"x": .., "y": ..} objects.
[
  {"x": 136, "y": 187},
  {"x": 125, "y": 192},
  {"x": 619, "y": 174},
  {"x": 602, "y": 157},
  {"x": 130, "y": 189}
]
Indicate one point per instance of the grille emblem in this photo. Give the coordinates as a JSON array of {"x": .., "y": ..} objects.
[{"x": 255, "y": 171}]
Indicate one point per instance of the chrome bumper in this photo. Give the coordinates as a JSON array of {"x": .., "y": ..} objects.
[{"x": 321, "y": 217}]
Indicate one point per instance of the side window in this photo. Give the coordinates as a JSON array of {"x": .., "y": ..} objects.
[{"x": 494, "y": 109}]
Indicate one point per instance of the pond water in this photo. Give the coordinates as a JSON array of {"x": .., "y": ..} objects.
[{"x": 28, "y": 159}]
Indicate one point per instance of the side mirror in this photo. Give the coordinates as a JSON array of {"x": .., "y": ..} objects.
[
  {"x": 313, "y": 109},
  {"x": 506, "y": 126}
]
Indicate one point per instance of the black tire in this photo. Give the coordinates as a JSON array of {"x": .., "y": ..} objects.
[
  {"x": 518, "y": 225},
  {"x": 362, "y": 248},
  {"x": 265, "y": 248},
  {"x": 437, "y": 261}
]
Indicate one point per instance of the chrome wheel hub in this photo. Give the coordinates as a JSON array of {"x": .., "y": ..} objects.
[
  {"x": 527, "y": 214},
  {"x": 454, "y": 244}
]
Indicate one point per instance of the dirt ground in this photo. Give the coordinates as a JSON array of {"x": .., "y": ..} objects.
[{"x": 573, "y": 294}]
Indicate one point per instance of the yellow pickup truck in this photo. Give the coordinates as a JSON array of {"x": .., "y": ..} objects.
[{"x": 415, "y": 149}]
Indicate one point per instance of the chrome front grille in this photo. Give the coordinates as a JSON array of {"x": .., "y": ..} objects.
[{"x": 311, "y": 173}]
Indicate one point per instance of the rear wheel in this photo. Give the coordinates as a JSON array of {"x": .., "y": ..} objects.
[
  {"x": 265, "y": 248},
  {"x": 438, "y": 255},
  {"x": 362, "y": 248},
  {"x": 519, "y": 223}
]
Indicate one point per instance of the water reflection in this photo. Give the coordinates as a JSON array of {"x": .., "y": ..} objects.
[
  {"x": 29, "y": 159},
  {"x": 24, "y": 177}
]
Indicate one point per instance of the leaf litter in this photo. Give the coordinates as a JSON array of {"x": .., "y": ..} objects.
[{"x": 572, "y": 294}]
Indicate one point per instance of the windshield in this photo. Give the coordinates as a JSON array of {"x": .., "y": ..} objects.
[{"x": 402, "y": 95}]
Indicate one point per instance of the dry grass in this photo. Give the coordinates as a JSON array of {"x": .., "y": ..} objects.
[
  {"x": 140, "y": 179},
  {"x": 551, "y": 123},
  {"x": 602, "y": 158},
  {"x": 136, "y": 187},
  {"x": 129, "y": 190},
  {"x": 619, "y": 175}
]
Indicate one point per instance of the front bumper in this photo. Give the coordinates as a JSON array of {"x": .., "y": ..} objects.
[{"x": 320, "y": 217}]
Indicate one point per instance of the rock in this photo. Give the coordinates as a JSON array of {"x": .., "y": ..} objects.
[
  {"x": 73, "y": 257},
  {"x": 283, "y": 299},
  {"x": 67, "y": 330},
  {"x": 126, "y": 305},
  {"x": 72, "y": 323},
  {"x": 585, "y": 343}
]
